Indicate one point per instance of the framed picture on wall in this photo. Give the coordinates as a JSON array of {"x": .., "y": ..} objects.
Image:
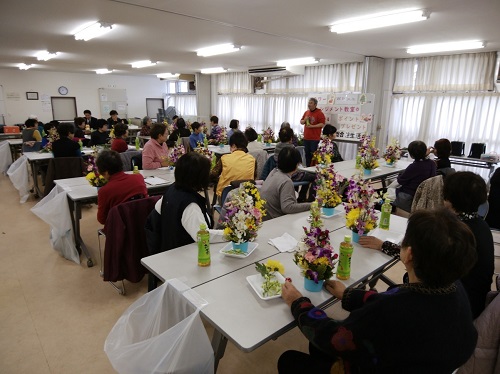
[{"x": 31, "y": 95}]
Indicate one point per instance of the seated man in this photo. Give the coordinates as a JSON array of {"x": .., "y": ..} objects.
[
  {"x": 155, "y": 152},
  {"x": 278, "y": 191},
  {"x": 114, "y": 119},
  {"x": 80, "y": 131},
  {"x": 238, "y": 165},
  {"x": 101, "y": 135},
  {"x": 121, "y": 187},
  {"x": 65, "y": 146},
  {"x": 119, "y": 143},
  {"x": 197, "y": 135}
]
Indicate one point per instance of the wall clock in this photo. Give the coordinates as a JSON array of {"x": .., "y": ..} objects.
[{"x": 62, "y": 90}]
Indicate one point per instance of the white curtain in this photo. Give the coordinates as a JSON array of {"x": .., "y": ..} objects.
[
  {"x": 463, "y": 72},
  {"x": 234, "y": 83},
  {"x": 466, "y": 117},
  {"x": 185, "y": 105},
  {"x": 261, "y": 111}
]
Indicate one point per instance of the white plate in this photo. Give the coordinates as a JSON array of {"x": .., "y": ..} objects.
[
  {"x": 229, "y": 247},
  {"x": 256, "y": 282}
]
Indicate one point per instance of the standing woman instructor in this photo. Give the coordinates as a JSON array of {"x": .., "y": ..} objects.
[{"x": 313, "y": 121}]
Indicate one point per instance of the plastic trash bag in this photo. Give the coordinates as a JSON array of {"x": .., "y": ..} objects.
[
  {"x": 391, "y": 190},
  {"x": 18, "y": 174},
  {"x": 162, "y": 332},
  {"x": 5, "y": 157},
  {"x": 53, "y": 209}
]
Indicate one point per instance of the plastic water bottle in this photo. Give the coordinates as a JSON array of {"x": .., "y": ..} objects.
[
  {"x": 203, "y": 239},
  {"x": 80, "y": 144},
  {"x": 136, "y": 170},
  {"x": 358, "y": 161},
  {"x": 344, "y": 265},
  {"x": 137, "y": 143},
  {"x": 385, "y": 216}
]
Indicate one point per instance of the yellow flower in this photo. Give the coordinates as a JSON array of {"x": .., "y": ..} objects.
[
  {"x": 227, "y": 231},
  {"x": 90, "y": 176},
  {"x": 369, "y": 225},
  {"x": 352, "y": 217},
  {"x": 274, "y": 264}
]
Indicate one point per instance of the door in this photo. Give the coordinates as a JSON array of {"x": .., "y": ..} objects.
[
  {"x": 152, "y": 106},
  {"x": 63, "y": 108}
]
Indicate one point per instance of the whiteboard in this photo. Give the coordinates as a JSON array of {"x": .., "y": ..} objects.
[
  {"x": 63, "y": 108},
  {"x": 113, "y": 99}
]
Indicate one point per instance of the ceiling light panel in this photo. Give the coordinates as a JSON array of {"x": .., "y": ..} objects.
[
  {"x": 298, "y": 61},
  {"x": 24, "y": 66},
  {"x": 445, "y": 47},
  {"x": 378, "y": 20},
  {"x": 217, "y": 50},
  {"x": 93, "y": 31},
  {"x": 143, "y": 64},
  {"x": 167, "y": 76},
  {"x": 213, "y": 70},
  {"x": 103, "y": 71},
  {"x": 45, "y": 55}
]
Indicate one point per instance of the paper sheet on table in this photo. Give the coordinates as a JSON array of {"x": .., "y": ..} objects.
[
  {"x": 154, "y": 181},
  {"x": 284, "y": 243},
  {"x": 384, "y": 235}
]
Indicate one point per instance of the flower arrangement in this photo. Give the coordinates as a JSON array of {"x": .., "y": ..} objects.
[
  {"x": 219, "y": 135},
  {"x": 268, "y": 135},
  {"x": 95, "y": 179},
  {"x": 112, "y": 133},
  {"x": 271, "y": 286},
  {"x": 52, "y": 137},
  {"x": 315, "y": 256},
  {"x": 176, "y": 153},
  {"x": 203, "y": 150},
  {"x": 392, "y": 152},
  {"x": 368, "y": 152},
  {"x": 323, "y": 155},
  {"x": 327, "y": 187},
  {"x": 244, "y": 213},
  {"x": 361, "y": 216}
]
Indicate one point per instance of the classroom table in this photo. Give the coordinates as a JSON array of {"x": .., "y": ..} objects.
[
  {"x": 474, "y": 162},
  {"x": 16, "y": 147},
  {"x": 10, "y": 135},
  {"x": 234, "y": 310},
  {"x": 220, "y": 151},
  {"x": 80, "y": 193}
]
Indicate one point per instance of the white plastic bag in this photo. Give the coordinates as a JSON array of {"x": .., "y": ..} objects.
[
  {"x": 18, "y": 174},
  {"x": 53, "y": 209},
  {"x": 5, "y": 157},
  {"x": 391, "y": 190},
  {"x": 162, "y": 332}
]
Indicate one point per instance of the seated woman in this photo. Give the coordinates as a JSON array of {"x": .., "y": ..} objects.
[
  {"x": 180, "y": 132},
  {"x": 119, "y": 143},
  {"x": 80, "y": 131},
  {"x": 278, "y": 190},
  {"x": 423, "y": 326},
  {"x": 101, "y": 135},
  {"x": 182, "y": 208},
  {"x": 32, "y": 140},
  {"x": 155, "y": 152},
  {"x": 253, "y": 145},
  {"x": 238, "y": 165},
  {"x": 463, "y": 193},
  {"x": 442, "y": 150},
  {"x": 197, "y": 135},
  {"x": 65, "y": 146},
  {"x": 329, "y": 135},
  {"x": 121, "y": 187},
  {"x": 295, "y": 140},
  {"x": 146, "y": 126},
  {"x": 418, "y": 171},
  {"x": 233, "y": 127},
  {"x": 50, "y": 130}
]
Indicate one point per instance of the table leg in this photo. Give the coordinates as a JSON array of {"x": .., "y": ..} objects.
[
  {"x": 219, "y": 343},
  {"x": 76, "y": 215},
  {"x": 34, "y": 173}
]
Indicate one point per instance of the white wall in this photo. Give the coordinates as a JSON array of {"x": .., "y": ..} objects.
[{"x": 84, "y": 87}]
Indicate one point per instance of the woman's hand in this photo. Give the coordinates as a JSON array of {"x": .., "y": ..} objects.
[
  {"x": 371, "y": 242},
  {"x": 336, "y": 288},
  {"x": 289, "y": 293}
]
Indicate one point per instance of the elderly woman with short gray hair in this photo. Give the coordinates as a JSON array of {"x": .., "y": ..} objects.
[{"x": 146, "y": 126}]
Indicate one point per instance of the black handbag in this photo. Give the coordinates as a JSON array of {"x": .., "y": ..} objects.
[
  {"x": 457, "y": 148},
  {"x": 476, "y": 150}
]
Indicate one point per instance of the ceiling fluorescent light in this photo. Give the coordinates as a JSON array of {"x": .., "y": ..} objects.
[
  {"x": 45, "y": 55},
  {"x": 445, "y": 47},
  {"x": 213, "y": 70},
  {"x": 143, "y": 64},
  {"x": 375, "y": 21},
  {"x": 298, "y": 61},
  {"x": 93, "y": 31},
  {"x": 24, "y": 66},
  {"x": 167, "y": 76},
  {"x": 217, "y": 50},
  {"x": 103, "y": 71}
]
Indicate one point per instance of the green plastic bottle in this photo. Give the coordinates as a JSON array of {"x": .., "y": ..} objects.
[
  {"x": 203, "y": 239},
  {"x": 385, "y": 216},
  {"x": 344, "y": 266},
  {"x": 80, "y": 144},
  {"x": 358, "y": 161},
  {"x": 137, "y": 143}
]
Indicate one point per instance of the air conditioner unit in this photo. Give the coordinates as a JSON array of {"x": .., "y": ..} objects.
[{"x": 276, "y": 71}]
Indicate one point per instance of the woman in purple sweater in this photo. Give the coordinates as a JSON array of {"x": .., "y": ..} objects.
[{"x": 421, "y": 169}]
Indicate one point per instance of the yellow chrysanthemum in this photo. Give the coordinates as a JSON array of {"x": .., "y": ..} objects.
[{"x": 274, "y": 264}]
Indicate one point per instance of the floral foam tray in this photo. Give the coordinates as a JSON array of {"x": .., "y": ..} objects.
[
  {"x": 256, "y": 282},
  {"x": 228, "y": 250}
]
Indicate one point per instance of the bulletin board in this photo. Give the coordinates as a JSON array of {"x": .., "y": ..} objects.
[
  {"x": 113, "y": 99},
  {"x": 350, "y": 113}
]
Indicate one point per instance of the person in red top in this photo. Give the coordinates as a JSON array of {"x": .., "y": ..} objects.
[
  {"x": 313, "y": 121},
  {"x": 121, "y": 187},
  {"x": 119, "y": 143}
]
